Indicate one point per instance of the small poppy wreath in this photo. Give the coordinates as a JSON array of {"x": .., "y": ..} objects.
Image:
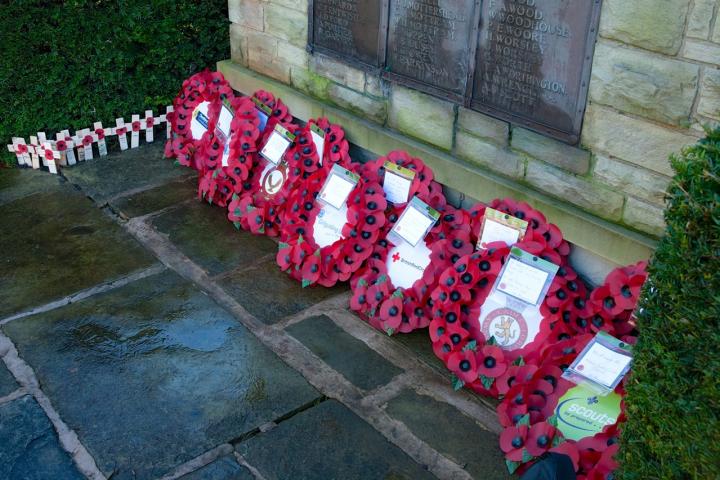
[
  {"x": 376, "y": 298},
  {"x": 202, "y": 87},
  {"x": 302, "y": 258},
  {"x": 527, "y": 413},
  {"x": 267, "y": 199},
  {"x": 220, "y": 184}
]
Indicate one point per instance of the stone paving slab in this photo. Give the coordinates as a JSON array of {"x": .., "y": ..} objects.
[
  {"x": 224, "y": 468},
  {"x": 328, "y": 441},
  {"x": 30, "y": 449},
  {"x": 154, "y": 373},
  {"x": 203, "y": 233},
  {"x": 451, "y": 433},
  {"x": 351, "y": 357},
  {"x": 270, "y": 294},
  {"x": 103, "y": 178},
  {"x": 418, "y": 342},
  {"x": 17, "y": 183},
  {"x": 56, "y": 243},
  {"x": 7, "y": 382},
  {"x": 155, "y": 199}
]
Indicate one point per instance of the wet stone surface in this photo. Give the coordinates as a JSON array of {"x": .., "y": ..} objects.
[
  {"x": 349, "y": 356},
  {"x": 270, "y": 294},
  {"x": 103, "y": 178},
  {"x": 7, "y": 382},
  {"x": 155, "y": 199},
  {"x": 17, "y": 183},
  {"x": 224, "y": 468},
  {"x": 203, "y": 233},
  {"x": 328, "y": 441},
  {"x": 59, "y": 244},
  {"x": 418, "y": 342},
  {"x": 155, "y": 373},
  {"x": 30, "y": 449},
  {"x": 451, "y": 433}
]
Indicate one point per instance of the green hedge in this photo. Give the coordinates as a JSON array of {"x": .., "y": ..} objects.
[
  {"x": 673, "y": 399},
  {"x": 68, "y": 64}
]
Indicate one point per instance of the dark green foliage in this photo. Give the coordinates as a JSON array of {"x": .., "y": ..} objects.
[
  {"x": 66, "y": 64},
  {"x": 674, "y": 394}
]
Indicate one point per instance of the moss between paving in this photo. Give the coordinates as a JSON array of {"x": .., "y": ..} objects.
[
  {"x": 328, "y": 442},
  {"x": 349, "y": 356},
  {"x": 155, "y": 373},
  {"x": 450, "y": 432}
]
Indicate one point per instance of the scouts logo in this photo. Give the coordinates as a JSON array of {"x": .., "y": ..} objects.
[
  {"x": 582, "y": 414},
  {"x": 507, "y": 326},
  {"x": 273, "y": 180}
]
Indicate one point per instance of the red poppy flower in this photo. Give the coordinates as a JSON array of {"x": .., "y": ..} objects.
[
  {"x": 149, "y": 122},
  {"x": 49, "y": 155},
  {"x": 100, "y": 132},
  {"x": 492, "y": 362},
  {"x": 311, "y": 269},
  {"x": 120, "y": 131},
  {"x": 21, "y": 148},
  {"x": 513, "y": 441},
  {"x": 540, "y": 438},
  {"x": 464, "y": 365},
  {"x": 136, "y": 126},
  {"x": 391, "y": 312},
  {"x": 602, "y": 297},
  {"x": 625, "y": 289},
  {"x": 87, "y": 140},
  {"x": 61, "y": 145}
]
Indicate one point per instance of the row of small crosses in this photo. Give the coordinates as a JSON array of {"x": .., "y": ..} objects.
[{"x": 42, "y": 151}]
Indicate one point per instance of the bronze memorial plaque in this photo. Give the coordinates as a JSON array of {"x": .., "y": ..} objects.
[
  {"x": 533, "y": 63},
  {"x": 353, "y": 30},
  {"x": 430, "y": 44}
]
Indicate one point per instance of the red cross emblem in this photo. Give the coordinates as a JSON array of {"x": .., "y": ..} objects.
[{"x": 396, "y": 257}]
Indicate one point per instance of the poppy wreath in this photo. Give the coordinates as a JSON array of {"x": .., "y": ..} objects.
[
  {"x": 527, "y": 414},
  {"x": 262, "y": 209},
  {"x": 375, "y": 298},
  {"x": 477, "y": 362},
  {"x": 202, "y": 87},
  {"x": 302, "y": 258},
  {"x": 218, "y": 184}
]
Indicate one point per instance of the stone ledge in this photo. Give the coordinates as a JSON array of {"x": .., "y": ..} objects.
[{"x": 603, "y": 238}]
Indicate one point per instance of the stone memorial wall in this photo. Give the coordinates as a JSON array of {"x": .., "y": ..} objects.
[{"x": 508, "y": 102}]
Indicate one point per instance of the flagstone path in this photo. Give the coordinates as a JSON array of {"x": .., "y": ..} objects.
[{"x": 144, "y": 337}]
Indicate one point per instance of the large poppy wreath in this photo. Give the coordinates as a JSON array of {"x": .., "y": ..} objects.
[
  {"x": 533, "y": 407},
  {"x": 262, "y": 209},
  {"x": 392, "y": 290},
  {"x": 219, "y": 184},
  {"x": 474, "y": 357},
  {"x": 307, "y": 252},
  {"x": 200, "y": 96}
]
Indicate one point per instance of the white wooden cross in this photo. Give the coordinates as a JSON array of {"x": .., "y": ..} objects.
[
  {"x": 50, "y": 155},
  {"x": 121, "y": 131},
  {"x": 164, "y": 119},
  {"x": 101, "y": 132},
  {"x": 42, "y": 138},
  {"x": 87, "y": 139},
  {"x": 34, "y": 153},
  {"x": 148, "y": 124},
  {"x": 136, "y": 126},
  {"x": 20, "y": 149},
  {"x": 77, "y": 140},
  {"x": 69, "y": 151}
]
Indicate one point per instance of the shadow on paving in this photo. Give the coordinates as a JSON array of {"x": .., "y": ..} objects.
[
  {"x": 154, "y": 373},
  {"x": 57, "y": 243},
  {"x": 30, "y": 449},
  {"x": 103, "y": 178},
  {"x": 328, "y": 441}
]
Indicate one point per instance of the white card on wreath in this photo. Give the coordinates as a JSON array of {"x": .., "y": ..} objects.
[
  {"x": 318, "y": 138},
  {"x": 501, "y": 227},
  {"x": 200, "y": 120},
  {"x": 276, "y": 146},
  {"x": 414, "y": 223},
  {"x": 328, "y": 225},
  {"x": 397, "y": 183},
  {"x": 522, "y": 281},
  {"x": 337, "y": 187}
]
